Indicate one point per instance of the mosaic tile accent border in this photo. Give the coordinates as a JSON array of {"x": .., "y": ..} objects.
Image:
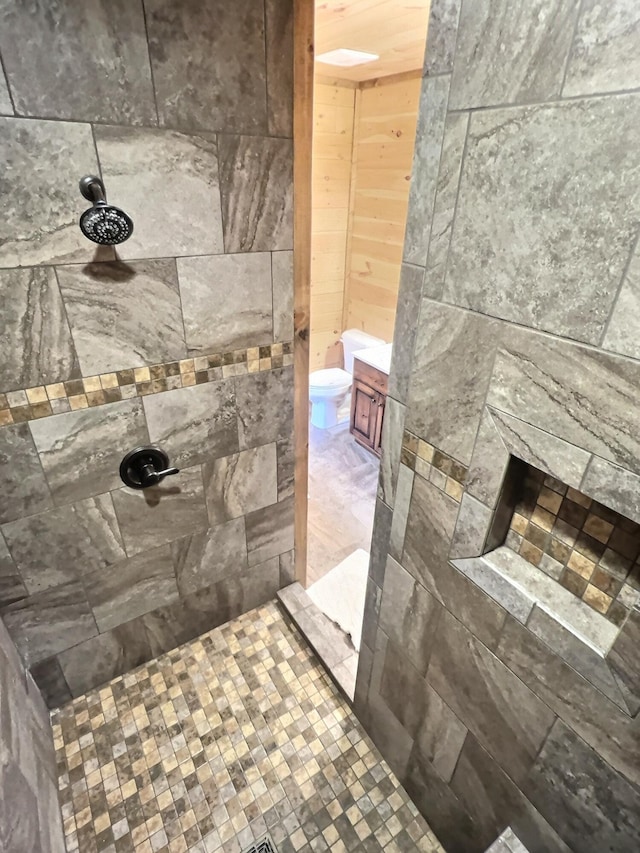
[
  {"x": 591, "y": 550},
  {"x": 32, "y": 403},
  {"x": 445, "y": 472}
]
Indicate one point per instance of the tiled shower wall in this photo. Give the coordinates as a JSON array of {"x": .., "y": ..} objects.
[
  {"x": 181, "y": 337},
  {"x": 521, "y": 261}
]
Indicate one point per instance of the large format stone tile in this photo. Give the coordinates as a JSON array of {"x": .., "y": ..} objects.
[
  {"x": 382, "y": 521},
  {"x": 38, "y": 346},
  {"x": 6, "y": 107},
  {"x": 286, "y": 453},
  {"x": 441, "y": 36},
  {"x": 194, "y": 424},
  {"x": 163, "y": 513},
  {"x": 488, "y": 463},
  {"x": 447, "y": 389},
  {"x": 20, "y": 826},
  {"x": 270, "y": 531},
  {"x": 617, "y": 488},
  {"x": 226, "y": 301},
  {"x": 60, "y": 545},
  {"x": 508, "y": 719},
  {"x": 623, "y": 330},
  {"x": 472, "y": 528},
  {"x": 392, "y": 431},
  {"x": 215, "y": 554},
  {"x": 49, "y": 622},
  {"x": 241, "y": 483},
  {"x": 39, "y": 219},
  {"x": 503, "y": 56},
  {"x": 208, "y": 64},
  {"x": 51, "y": 682},
  {"x": 405, "y": 330},
  {"x": 403, "y": 494},
  {"x": 168, "y": 184},
  {"x": 265, "y": 406},
  {"x": 593, "y": 808},
  {"x": 430, "y": 525},
  {"x": 282, "y": 285},
  {"x": 131, "y": 588},
  {"x": 256, "y": 185},
  {"x": 85, "y": 60},
  {"x": 441, "y": 735},
  {"x": 81, "y": 451},
  {"x": 403, "y": 689},
  {"x": 520, "y": 187},
  {"x": 279, "y": 46},
  {"x": 123, "y": 315},
  {"x": 23, "y": 488},
  {"x": 625, "y": 662},
  {"x": 605, "y": 55},
  {"x": 12, "y": 587}
]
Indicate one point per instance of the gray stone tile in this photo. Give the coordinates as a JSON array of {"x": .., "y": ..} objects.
[
  {"x": 403, "y": 689},
  {"x": 430, "y": 525},
  {"x": 265, "y": 406},
  {"x": 503, "y": 57},
  {"x": 401, "y": 511},
  {"x": 392, "y": 431},
  {"x": 441, "y": 36},
  {"x": 168, "y": 183},
  {"x": 270, "y": 531},
  {"x": 622, "y": 332},
  {"x": 151, "y": 517},
  {"x": 95, "y": 66},
  {"x": 241, "y": 483},
  {"x": 440, "y": 736},
  {"x": 508, "y": 719},
  {"x": 131, "y": 588},
  {"x": 613, "y": 486},
  {"x": 60, "y": 545},
  {"x": 404, "y": 336},
  {"x": 472, "y": 528},
  {"x": 488, "y": 463},
  {"x": 372, "y": 604},
  {"x": 98, "y": 660},
  {"x": 447, "y": 389},
  {"x": 409, "y": 615},
  {"x": 294, "y": 599},
  {"x": 279, "y": 47},
  {"x": 226, "y": 301},
  {"x": 123, "y": 315},
  {"x": 604, "y": 57},
  {"x": 325, "y": 637},
  {"x": 573, "y": 281},
  {"x": 577, "y": 791},
  {"x": 209, "y": 556},
  {"x": 219, "y": 82},
  {"x": 45, "y": 624},
  {"x": 363, "y": 677},
  {"x": 39, "y": 348},
  {"x": 345, "y": 674},
  {"x": 18, "y": 810},
  {"x": 382, "y": 521},
  {"x": 282, "y": 285},
  {"x": 287, "y": 568},
  {"x": 624, "y": 661},
  {"x": 81, "y": 451},
  {"x": 485, "y": 574},
  {"x": 23, "y": 489},
  {"x": 286, "y": 466},
  {"x": 256, "y": 185},
  {"x": 194, "y": 424},
  {"x": 51, "y": 682},
  {"x": 6, "y": 107},
  {"x": 426, "y": 156},
  {"x": 12, "y": 587},
  {"x": 39, "y": 222}
]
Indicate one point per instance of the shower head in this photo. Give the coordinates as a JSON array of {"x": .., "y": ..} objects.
[{"x": 103, "y": 223}]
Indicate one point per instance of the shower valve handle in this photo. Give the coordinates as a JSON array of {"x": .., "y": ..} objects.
[{"x": 144, "y": 467}]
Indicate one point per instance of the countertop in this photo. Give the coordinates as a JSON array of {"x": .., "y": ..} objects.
[{"x": 378, "y": 357}]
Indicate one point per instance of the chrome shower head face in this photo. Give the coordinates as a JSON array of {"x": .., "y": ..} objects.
[{"x": 106, "y": 224}]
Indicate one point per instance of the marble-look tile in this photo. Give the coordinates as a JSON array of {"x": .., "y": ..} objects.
[
  {"x": 45, "y": 624},
  {"x": 430, "y": 525},
  {"x": 212, "y": 555},
  {"x": 51, "y": 682},
  {"x": 509, "y": 720},
  {"x": 488, "y": 463},
  {"x": 441, "y": 36},
  {"x": 226, "y": 301},
  {"x": 123, "y": 315},
  {"x": 282, "y": 285},
  {"x": 455, "y": 134},
  {"x": 401, "y": 511},
  {"x": 256, "y": 185},
  {"x": 270, "y": 531},
  {"x": 605, "y": 55},
  {"x": 208, "y": 63},
  {"x": 23, "y": 488},
  {"x": 432, "y": 111},
  {"x": 131, "y": 588},
  {"x": 593, "y": 807},
  {"x": 371, "y": 614},
  {"x": 287, "y": 568},
  {"x": 485, "y": 574},
  {"x": 472, "y": 528},
  {"x": 617, "y": 488},
  {"x": 503, "y": 57},
  {"x": 39, "y": 349},
  {"x": 403, "y": 689},
  {"x": 39, "y": 221},
  {"x": 406, "y": 326},
  {"x": 98, "y": 660},
  {"x": 95, "y": 66},
  {"x": 58, "y": 546},
  {"x": 382, "y": 521},
  {"x": 18, "y": 809},
  {"x": 325, "y": 637},
  {"x": 168, "y": 183},
  {"x": 392, "y": 432},
  {"x": 573, "y": 279},
  {"x": 151, "y": 517},
  {"x": 81, "y": 451},
  {"x": 12, "y": 587},
  {"x": 241, "y": 483},
  {"x": 409, "y": 615},
  {"x": 624, "y": 661},
  {"x": 447, "y": 389},
  {"x": 194, "y": 424},
  {"x": 6, "y": 107},
  {"x": 441, "y": 735},
  {"x": 279, "y": 47},
  {"x": 286, "y": 453},
  {"x": 622, "y": 332},
  {"x": 265, "y": 406}
]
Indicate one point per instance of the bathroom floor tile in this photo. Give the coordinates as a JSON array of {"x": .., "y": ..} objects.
[{"x": 210, "y": 747}]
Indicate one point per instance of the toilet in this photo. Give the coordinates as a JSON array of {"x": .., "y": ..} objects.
[{"x": 328, "y": 389}]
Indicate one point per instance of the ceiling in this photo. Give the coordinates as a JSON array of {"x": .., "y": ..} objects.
[{"x": 394, "y": 29}]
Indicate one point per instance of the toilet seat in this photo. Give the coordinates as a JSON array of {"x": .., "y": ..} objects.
[{"x": 328, "y": 381}]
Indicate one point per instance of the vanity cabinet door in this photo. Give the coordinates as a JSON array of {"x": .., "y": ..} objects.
[{"x": 365, "y": 413}]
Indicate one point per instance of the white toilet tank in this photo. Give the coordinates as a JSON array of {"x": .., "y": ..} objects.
[{"x": 354, "y": 339}]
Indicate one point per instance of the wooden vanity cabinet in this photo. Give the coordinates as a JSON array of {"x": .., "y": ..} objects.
[{"x": 368, "y": 398}]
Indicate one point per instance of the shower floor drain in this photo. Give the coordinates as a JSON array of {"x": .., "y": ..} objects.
[{"x": 263, "y": 845}]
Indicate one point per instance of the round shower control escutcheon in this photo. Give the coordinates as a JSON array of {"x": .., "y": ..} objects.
[{"x": 146, "y": 466}]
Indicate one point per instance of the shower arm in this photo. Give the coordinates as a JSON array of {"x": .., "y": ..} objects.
[{"x": 92, "y": 189}]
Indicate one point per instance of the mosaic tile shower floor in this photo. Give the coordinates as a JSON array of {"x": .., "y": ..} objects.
[{"x": 211, "y": 746}]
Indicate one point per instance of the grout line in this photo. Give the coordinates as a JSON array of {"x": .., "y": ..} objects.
[
  {"x": 572, "y": 45},
  {"x": 151, "y": 74},
  {"x": 5, "y": 76},
  {"x": 635, "y": 245}
]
